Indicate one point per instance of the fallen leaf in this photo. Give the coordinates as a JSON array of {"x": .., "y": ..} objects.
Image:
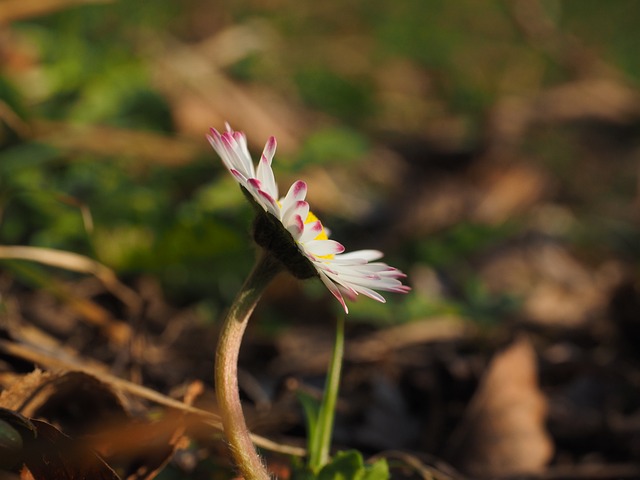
[
  {"x": 503, "y": 431},
  {"x": 146, "y": 147},
  {"x": 19, "y": 392},
  {"x": 54, "y": 456},
  {"x": 76, "y": 263},
  {"x": 41, "y": 452},
  {"x": 73, "y": 399},
  {"x": 84, "y": 365},
  {"x": 506, "y": 191},
  {"x": 14, "y": 10},
  {"x": 555, "y": 288}
]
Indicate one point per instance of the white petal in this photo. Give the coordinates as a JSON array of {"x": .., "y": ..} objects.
[
  {"x": 368, "y": 255},
  {"x": 265, "y": 175},
  {"x": 334, "y": 290},
  {"x": 238, "y": 142},
  {"x": 295, "y": 227},
  {"x": 296, "y": 192},
  {"x": 377, "y": 283},
  {"x": 240, "y": 177},
  {"x": 370, "y": 293},
  {"x": 353, "y": 262},
  {"x": 346, "y": 288},
  {"x": 320, "y": 264},
  {"x": 379, "y": 268},
  {"x": 323, "y": 247},
  {"x": 216, "y": 142},
  {"x": 357, "y": 287},
  {"x": 270, "y": 149},
  {"x": 243, "y": 150},
  {"x": 265, "y": 172},
  {"x": 311, "y": 231},
  {"x": 269, "y": 204},
  {"x": 300, "y": 208},
  {"x": 238, "y": 159}
]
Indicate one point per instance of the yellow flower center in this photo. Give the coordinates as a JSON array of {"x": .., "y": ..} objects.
[{"x": 321, "y": 236}]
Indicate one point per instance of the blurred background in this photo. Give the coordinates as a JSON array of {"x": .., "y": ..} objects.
[{"x": 490, "y": 149}]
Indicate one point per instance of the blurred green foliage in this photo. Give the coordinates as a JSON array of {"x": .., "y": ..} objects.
[
  {"x": 188, "y": 224},
  {"x": 332, "y": 145}
]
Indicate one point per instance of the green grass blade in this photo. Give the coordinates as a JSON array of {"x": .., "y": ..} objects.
[{"x": 324, "y": 428}]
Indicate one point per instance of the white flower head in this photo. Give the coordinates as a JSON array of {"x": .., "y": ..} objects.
[{"x": 294, "y": 235}]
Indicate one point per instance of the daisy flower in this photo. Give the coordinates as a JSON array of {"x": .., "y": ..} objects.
[{"x": 294, "y": 235}]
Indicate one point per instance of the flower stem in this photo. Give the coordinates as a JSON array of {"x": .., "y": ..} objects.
[
  {"x": 226, "y": 368},
  {"x": 327, "y": 411}
]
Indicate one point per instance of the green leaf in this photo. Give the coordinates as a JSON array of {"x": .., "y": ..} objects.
[
  {"x": 347, "y": 465},
  {"x": 377, "y": 471},
  {"x": 300, "y": 471}
]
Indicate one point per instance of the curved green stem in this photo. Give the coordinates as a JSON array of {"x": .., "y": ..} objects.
[{"x": 226, "y": 368}]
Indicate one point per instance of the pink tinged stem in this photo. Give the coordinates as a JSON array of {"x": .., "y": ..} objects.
[{"x": 226, "y": 369}]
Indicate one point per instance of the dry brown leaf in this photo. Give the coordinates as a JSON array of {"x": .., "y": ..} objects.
[
  {"x": 506, "y": 191},
  {"x": 382, "y": 342},
  {"x": 434, "y": 207},
  {"x": 51, "y": 395},
  {"x": 171, "y": 441},
  {"x": 76, "y": 263},
  {"x": 554, "y": 287},
  {"x": 12, "y": 10},
  {"x": 81, "y": 403},
  {"x": 202, "y": 96},
  {"x": 209, "y": 418},
  {"x": 116, "y": 330},
  {"x": 53, "y": 455},
  {"x": 503, "y": 431},
  {"x": 147, "y": 148},
  {"x": 144, "y": 447},
  {"x": 594, "y": 98},
  {"x": 17, "y": 395},
  {"x": 39, "y": 451},
  {"x": 492, "y": 193},
  {"x": 602, "y": 99}
]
